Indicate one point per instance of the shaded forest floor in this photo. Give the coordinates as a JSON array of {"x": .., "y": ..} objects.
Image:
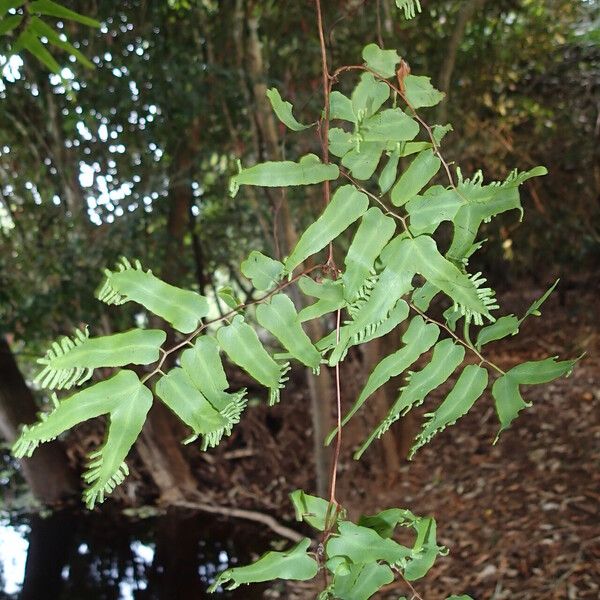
[{"x": 521, "y": 519}]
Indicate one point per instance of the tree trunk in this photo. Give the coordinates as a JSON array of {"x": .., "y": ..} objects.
[
  {"x": 49, "y": 541},
  {"x": 47, "y": 472},
  {"x": 465, "y": 14},
  {"x": 268, "y": 147}
]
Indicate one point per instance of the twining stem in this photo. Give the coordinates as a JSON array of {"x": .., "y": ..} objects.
[
  {"x": 464, "y": 343},
  {"x": 377, "y": 199},
  {"x": 324, "y": 134}
]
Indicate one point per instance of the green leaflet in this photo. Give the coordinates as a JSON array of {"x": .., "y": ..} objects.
[
  {"x": 381, "y": 61},
  {"x": 398, "y": 314},
  {"x": 440, "y": 132},
  {"x": 441, "y": 273},
  {"x": 386, "y": 521},
  {"x": 419, "y": 92},
  {"x": 179, "y": 393},
  {"x": 73, "y": 360},
  {"x": 182, "y": 308},
  {"x": 228, "y": 295},
  {"x": 30, "y": 42},
  {"x": 330, "y": 296},
  {"x": 419, "y": 173},
  {"x": 410, "y": 8},
  {"x": 362, "y": 161},
  {"x": 280, "y": 318},
  {"x": 263, "y": 271},
  {"x": 313, "y": 510},
  {"x": 374, "y": 232},
  {"x": 534, "y": 309},
  {"x": 437, "y": 204},
  {"x": 419, "y": 337},
  {"x": 506, "y": 392},
  {"x": 482, "y": 203},
  {"x": 362, "y": 581},
  {"x": 368, "y": 96},
  {"x": 340, "y": 107},
  {"x": 125, "y": 399},
  {"x": 53, "y": 9},
  {"x": 340, "y": 141},
  {"x": 370, "y": 313},
  {"x": 469, "y": 386},
  {"x": 308, "y": 171},
  {"x": 447, "y": 356},
  {"x": 504, "y": 326},
  {"x": 346, "y": 206},
  {"x": 425, "y": 550},
  {"x": 283, "y": 110},
  {"x": 8, "y": 23},
  {"x": 390, "y": 125},
  {"x": 43, "y": 30},
  {"x": 243, "y": 347},
  {"x": 422, "y": 297},
  {"x": 196, "y": 393},
  {"x": 508, "y": 401},
  {"x": 509, "y": 325},
  {"x": 388, "y": 173},
  {"x": 362, "y": 545},
  {"x": 293, "y": 564},
  {"x": 106, "y": 467},
  {"x": 203, "y": 366}
]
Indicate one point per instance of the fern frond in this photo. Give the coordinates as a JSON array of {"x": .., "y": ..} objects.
[
  {"x": 419, "y": 338},
  {"x": 373, "y": 233},
  {"x": 106, "y": 466},
  {"x": 447, "y": 356},
  {"x": 410, "y": 8},
  {"x": 280, "y": 318},
  {"x": 467, "y": 389},
  {"x": 240, "y": 342},
  {"x": 125, "y": 399}
]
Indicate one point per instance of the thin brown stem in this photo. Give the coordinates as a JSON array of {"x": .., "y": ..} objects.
[
  {"x": 457, "y": 338},
  {"x": 415, "y": 594},
  {"x": 323, "y": 127},
  {"x": 379, "y": 201},
  {"x": 338, "y": 438}
]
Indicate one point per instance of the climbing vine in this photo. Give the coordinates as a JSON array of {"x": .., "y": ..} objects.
[{"x": 394, "y": 267}]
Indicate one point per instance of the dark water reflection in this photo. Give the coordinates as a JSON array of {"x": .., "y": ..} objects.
[{"x": 109, "y": 557}]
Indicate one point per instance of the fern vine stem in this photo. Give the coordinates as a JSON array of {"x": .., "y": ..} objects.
[
  {"x": 379, "y": 201},
  {"x": 464, "y": 343}
]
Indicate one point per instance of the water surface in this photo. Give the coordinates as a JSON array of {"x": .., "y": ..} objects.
[{"x": 106, "y": 556}]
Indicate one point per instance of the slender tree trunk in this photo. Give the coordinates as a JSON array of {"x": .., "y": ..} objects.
[
  {"x": 465, "y": 14},
  {"x": 319, "y": 386},
  {"x": 49, "y": 542},
  {"x": 381, "y": 403},
  {"x": 47, "y": 472},
  {"x": 159, "y": 445}
]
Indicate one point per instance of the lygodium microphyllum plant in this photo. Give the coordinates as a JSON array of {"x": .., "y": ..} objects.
[{"x": 393, "y": 268}]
